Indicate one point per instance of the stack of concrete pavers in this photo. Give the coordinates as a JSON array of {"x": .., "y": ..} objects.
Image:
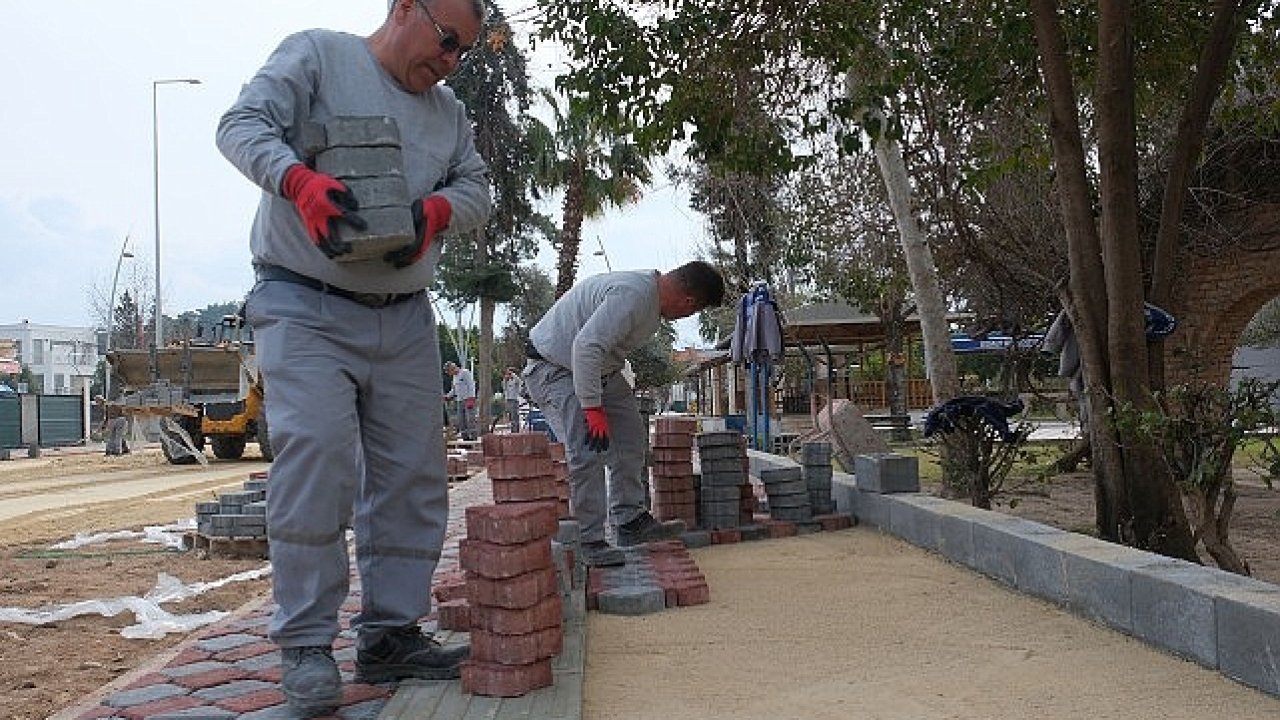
[
  {"x": 656, "y": 576},
  {"x": 560, "y": 471},
  {"x": 788, "y": 494},
  {"x": 365, "y": 154},
  {"x": 815, "y": 458},
  {"x": 516, "y": 607},
  {"x": 674, "y": 487},
  {"x": 239, "y": 514},
  {"x": 724, "y": 487}
]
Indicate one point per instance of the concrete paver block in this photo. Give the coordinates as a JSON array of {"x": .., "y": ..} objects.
[
  {"x": 1248, "y": 626},
  {"x": 1174, "y": 609},
  {"x": 887, "y": 473}
]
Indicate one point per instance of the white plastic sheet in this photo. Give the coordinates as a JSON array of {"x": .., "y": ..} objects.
[{"x": 152, "y": 621}]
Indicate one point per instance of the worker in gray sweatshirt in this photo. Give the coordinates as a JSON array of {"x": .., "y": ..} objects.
[
  {"x": 576, "y": 355},
  {"x": 348, "y": 346}
]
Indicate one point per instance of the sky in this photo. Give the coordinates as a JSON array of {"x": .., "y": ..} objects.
[{"x": 77, "y": 142}]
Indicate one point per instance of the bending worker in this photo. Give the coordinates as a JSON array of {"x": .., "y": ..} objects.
[{"x": 576, "y": 355}]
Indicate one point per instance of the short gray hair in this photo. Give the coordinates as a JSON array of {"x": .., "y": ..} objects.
[{"x": 477, "y": 6}]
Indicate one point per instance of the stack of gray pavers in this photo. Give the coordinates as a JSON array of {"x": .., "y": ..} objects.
[
  {"x": 364, "y": 153},
  {"x": 722, "y": 481},
  {"x": 815, "y": 458},
  {"x": 239, "y": 514},
  {"x": 788, "y": 494}
]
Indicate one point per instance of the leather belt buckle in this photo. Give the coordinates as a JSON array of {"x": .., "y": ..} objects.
[{"x": 373, "y": 300}]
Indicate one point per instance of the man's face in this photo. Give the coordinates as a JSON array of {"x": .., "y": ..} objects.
[
  {"x": 441, "y": 32},
  {"x": 681, "y": 306}
]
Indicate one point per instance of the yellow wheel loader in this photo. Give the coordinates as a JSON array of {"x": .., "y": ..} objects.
[{"x": 202, "y": 389}]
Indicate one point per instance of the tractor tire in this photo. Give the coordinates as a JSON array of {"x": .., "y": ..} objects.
[
  {"x": 175, "y": 447},
  {"x": 228, "y": 447},
  {"x": 264, "y": 438}
]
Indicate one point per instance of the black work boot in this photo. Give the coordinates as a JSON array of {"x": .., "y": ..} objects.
[
  {"x": 645, "y": 528},
  {"x": 599, "y": 553},
  {"x": 310, "y": 680},
  {"x": 409, "y": 653}
]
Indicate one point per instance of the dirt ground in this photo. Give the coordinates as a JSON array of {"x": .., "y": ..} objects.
[
  {"x": 44, "y": 668},
  {"x": 47, "y": 667}
]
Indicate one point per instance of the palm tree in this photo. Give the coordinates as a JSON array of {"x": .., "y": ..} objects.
[
  {"x": 595, "y": 167},
  {"x": 493, "y": 83}
]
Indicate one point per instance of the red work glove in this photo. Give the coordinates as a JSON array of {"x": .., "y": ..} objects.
[
  {"x": 469, "y": 403},
  {"x": 597, "y": 429},
  {"x": 323, "y": 202},
  {"x": 430, "y": 216}
]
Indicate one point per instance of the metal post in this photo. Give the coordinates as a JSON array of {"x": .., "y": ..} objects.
[
  {"x": 111, "y": 313},
  {"x": 155, "y": 182}
]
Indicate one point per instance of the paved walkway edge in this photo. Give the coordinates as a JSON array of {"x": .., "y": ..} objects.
[
  {"x": 424, "y": 700},
  {"x": 1225, "y": 622}
]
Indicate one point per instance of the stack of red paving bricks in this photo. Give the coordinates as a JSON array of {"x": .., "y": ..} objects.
[
  {"x": 674, "y": 494},
  {"x": 560, "y": 471},
  {"x": 515, "y": 608}
]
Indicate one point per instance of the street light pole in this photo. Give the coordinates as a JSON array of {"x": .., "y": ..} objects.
[
  {"x": 111, "y": 311},
  {"x": 155, "y": 181},
  {"x": 603, "y": 254}
]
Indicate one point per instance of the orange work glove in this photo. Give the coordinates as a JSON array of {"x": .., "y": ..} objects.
[
  {"x": 430, "y": 216},
  {"x": 597, "y": 428},
  {"x": 323, "y": 202}
]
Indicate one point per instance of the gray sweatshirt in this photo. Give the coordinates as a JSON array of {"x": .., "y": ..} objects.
[
  {"x": 318, "y": 74},
  {"x": 592, "y": 328}
]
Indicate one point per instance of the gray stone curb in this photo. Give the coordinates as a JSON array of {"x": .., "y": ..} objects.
[{"x": 1220, "y": 620}]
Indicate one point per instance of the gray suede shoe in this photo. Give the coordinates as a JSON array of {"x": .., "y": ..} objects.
[
  {"x": 599, "y": 553},
  {"x": 645, "y": 528},
  {"x": 310, "y": 680},
  {"x": 408, "y": 653}
]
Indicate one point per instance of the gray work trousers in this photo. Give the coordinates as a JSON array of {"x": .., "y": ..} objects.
[
  {"x": 355, "y": 405},
  {"x": 117, "y": 432},
  {"x": 551, "y": 388},
  {"x": 513, "y": 415},
  {"x": 466, "y": 419}
]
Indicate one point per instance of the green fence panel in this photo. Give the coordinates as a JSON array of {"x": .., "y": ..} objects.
[
  {"x": 10, "y": 422},
  {"x": 61, "y": 420}
]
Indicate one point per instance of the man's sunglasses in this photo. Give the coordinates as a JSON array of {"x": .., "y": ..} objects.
[{"x": 448, "y": 39}]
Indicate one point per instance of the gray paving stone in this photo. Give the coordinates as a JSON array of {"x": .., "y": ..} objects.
[
  {"x": 1173, "y": 609},
  {"x": 914, "y": 518},
  {"x": 138, "y": 696},
  {"x": 195, "y": 713},
  {"x": 632, "y": 600},
  {"x": 696, "y": 538},
  {"x": 232, "y": 689},
  {"x": 887, "y": 473},
  {"x": 1248, "y": 626},
  {"x": 195, "y": 668},
  {"x": 1098, "y": 579},
  {"x": 368, "y": 710},
  {"x": 227, "y": 642}
]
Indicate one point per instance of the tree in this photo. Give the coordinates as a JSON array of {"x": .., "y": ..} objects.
[
  {"x": 1136, "y": 503},
  {"x": 1264, "y": 329},
  {"x": 493, "y": 83},
  {"x": 594, "y": 168}
]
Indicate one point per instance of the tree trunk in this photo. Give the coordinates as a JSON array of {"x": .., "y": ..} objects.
[
  {"x": 1136, "y": 499},
  {"x": 570, "y": 237},
  {"x": 1158, "y": 522},
  {"x": 484, "y": 383},
  {"x": 1084, "y": 298},
  {"x": 931, "y": 305}
]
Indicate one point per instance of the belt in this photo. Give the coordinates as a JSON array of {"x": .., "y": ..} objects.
[
  {"x": 531, "y": 352},
  {"x": 372, "y": 300}
]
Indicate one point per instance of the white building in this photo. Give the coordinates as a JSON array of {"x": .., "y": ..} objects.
[{"x": 62, "y": 359}]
